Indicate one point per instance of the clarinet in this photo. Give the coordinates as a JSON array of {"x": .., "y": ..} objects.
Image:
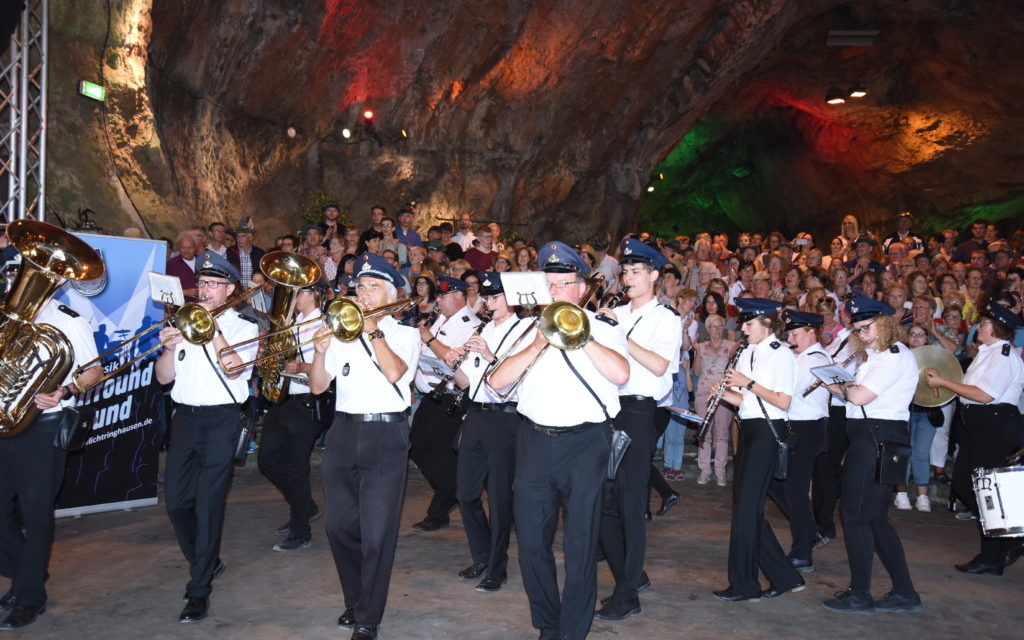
[
  {"x": 443, "y": 386},
  {"x": 712, "y": 406},
  {"x": 615, "y": 299}
]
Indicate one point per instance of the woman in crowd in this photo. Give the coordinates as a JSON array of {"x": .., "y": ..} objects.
[
  {"x": 390, "y": 242},
  {"x": 836, "y": 253},
  {"x": 370, "y": 241},
  {"x": 502, "y": 263},
  {"x": 710, "y": 359},
  {"x": 343, "y": 278},
  {"x": 473, "y": 299},
  {"x": 922, "y": 432},
  {"x": 332, "y": 258},
  {"x": 792, "y": 282},
  {"x": 524, "y": 261},
  {"x": 712, "y": 305},
  {"x": 351, "y": 238},
  {"x": 849, "y": 230}
]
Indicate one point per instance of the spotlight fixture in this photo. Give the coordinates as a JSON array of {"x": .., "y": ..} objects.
[
  {"x": 368, "y": 118},
  {"x": 405, "y": 134},
  {"x": 290, "y": 132},
  {"x": 835, "y": 96},
  {"x": 858, "y": 91},
  {"x": 650, "y": 189},
  {"x": 346, "y": 133}
]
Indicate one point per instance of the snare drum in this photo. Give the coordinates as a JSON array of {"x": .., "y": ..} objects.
[{"x": 1000, "y": 494}]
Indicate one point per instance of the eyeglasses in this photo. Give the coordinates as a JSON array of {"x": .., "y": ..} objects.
[
  {"x": 209, "y": 284},
  {"x": 864, "y": 329},
  {"x": 386, "y": 224},
  {"x": 562, "y": 285},
  {"x": 917, "y": 335}
]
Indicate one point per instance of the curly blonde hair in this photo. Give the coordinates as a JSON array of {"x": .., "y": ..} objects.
[{"x": 888, "y": 334}]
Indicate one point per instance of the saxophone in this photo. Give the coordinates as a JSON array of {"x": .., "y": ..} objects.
[{"x": 35, "y": 358}]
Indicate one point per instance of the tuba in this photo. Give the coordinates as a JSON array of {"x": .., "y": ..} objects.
[
  {"x": 35, "y": 358},
  {"x": 289, "y": 272}
]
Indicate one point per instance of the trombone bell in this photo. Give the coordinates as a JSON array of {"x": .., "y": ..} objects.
[{"x": 565, "y": 326}]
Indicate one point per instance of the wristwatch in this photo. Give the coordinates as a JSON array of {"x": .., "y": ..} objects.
[
  {"x": 376, "y": 334},
  {"x": 750, "y": 386}
]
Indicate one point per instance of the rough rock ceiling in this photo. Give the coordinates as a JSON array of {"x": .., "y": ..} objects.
[{"x": 549, "y": 113}]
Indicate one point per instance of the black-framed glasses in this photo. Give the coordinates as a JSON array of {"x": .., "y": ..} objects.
[{"x": 863, "y": 330}]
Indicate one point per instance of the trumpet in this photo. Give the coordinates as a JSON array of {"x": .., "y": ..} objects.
[
  {"x": 565, "y": 326},
  {"x": 343, "y": 317},
  {"x": 817, "y": 383},
  {"x": 713, "y": 401}
]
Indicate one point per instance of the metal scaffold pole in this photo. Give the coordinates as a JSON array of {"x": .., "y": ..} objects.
[{"x": 23, "y": 116}]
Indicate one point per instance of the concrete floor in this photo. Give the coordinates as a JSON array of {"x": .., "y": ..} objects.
[{"x": 120, "y": 575}]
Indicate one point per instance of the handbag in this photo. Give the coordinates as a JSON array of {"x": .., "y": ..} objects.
[
  {"x": 892, "y": 460},
  {"x": 786, "y": 447},
  {"x": 72, "y": 430}
]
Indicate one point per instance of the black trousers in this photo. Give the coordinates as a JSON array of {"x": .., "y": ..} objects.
[
  {"x": 432, "y": 437},
  {"x": 197, "y": 479},
  {"x": 364, "y": 482},
  {"x": 828, "y": 473},
  {"x": 793, "y": 494},
  {"x": 657, "y": 480},
  {"x": 31, "y": 473},
  {"x": 286, "y": 443},
  {"x": 566, "y": 469},
  {"x": 865, "y": 507},
  {"x": 752, "y": 543},
  {"x": 487, "y": 457},
  {"x": 623, "y": 533},
  {"x": 993, "y": 432}
]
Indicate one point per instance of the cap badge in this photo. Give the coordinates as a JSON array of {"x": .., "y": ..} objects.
[
  {"x": 207, "y": 265},
  {"x": 627, "y": 251}
]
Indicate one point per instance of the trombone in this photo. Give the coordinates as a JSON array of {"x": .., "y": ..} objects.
[
  {"x": 342, "y": 316},
  {"x": 196, "y": 324},
  {"x": 565, "y": 326}
]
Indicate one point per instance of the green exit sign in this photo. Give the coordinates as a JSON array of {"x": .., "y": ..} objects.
[{"x": 92, "y": 90}]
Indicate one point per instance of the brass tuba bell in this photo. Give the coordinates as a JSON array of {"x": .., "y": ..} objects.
[{"x": 35, "y": 358}]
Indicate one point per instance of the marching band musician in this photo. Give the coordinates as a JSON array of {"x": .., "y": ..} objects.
[
  {"x": 653, "y": 340},
  {"x": 807, "y": 418},
  {"x": 434, "y": 427},
  {"x": 567, "y": 400},
  {"x": 877, "y": 410},
  {"x": 289, "y": 430},
  {"x": 766, "y": 378},
  {"x": 487, "y": 446},
  {"x": 31, "y": 473},
  {"x": 365, "y": 463},
  {"x": 205, "y": 428},
  {"x": 988, "y": 396},
  {"x": 829, "y": 466}
]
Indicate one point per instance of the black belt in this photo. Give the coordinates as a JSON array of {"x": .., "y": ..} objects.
[
  {"x": 204, "y": 408},
  {"x": 299, "y": 396},
  {"x": 627, "y": 399},
  {"x": 996, "y": 406},
  {"x": 561, "y": 431},
  {"x": 507, "y": 407},
  {"x": 392, "y": 416}
]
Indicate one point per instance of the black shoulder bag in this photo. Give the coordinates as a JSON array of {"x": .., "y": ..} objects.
[
  {"x": 787, "y": 447},
  {"x": 244, "y": 419},
  {"x": 620, "y": 439}
]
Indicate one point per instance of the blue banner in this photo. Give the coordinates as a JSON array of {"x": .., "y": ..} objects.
[{"x": 118, "y": 467}]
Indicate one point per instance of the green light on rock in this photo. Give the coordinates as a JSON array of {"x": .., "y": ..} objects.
[
  {"x": 741, "y": 172},
  {"x": 92, "y": 90}
]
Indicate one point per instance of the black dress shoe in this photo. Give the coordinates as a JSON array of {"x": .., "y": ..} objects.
[
  {"x": 284, "y": 529},
  {"x": 490, "y": 585},
  {"x": 347, "y": 619},
  {"x": 729, "y": 596},
  {"x": 773, "y": 592},
  {"x": 801, "y": 565},
  {"x": 619, "y": 609},
  {"x": 426, "y": 526},
  {"x": 668, "y": 503},
  {"x": 7, "y": 601},
  {"x": 195, "y": 609},
  {"x": 473, "y": 571},
  {"x": 364, "y": 632},
  {"x": 976, "y": 567},
  {"x": 1012, "y": 555},
  {"x": 21, "y": 616}
]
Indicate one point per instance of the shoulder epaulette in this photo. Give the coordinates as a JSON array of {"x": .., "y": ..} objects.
[
  {"x": 68, "y": 310},
  {"x": 607, "y": 319}
]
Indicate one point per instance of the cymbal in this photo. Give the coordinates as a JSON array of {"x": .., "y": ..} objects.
[{"x": 932, "y": 356}]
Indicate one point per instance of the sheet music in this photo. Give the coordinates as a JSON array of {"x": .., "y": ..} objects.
[
  {"x": 526, "y": 288},
  {"x": 832, "y": 374},
  {"x": 166, "y": 289}
]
